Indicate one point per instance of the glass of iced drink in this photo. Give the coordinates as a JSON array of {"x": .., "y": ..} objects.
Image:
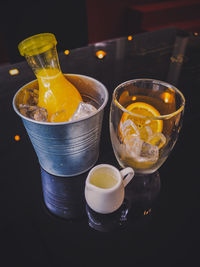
[{"x": 145, "y": 119}]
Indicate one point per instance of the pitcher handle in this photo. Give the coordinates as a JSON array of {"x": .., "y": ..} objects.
[{"x": 127, "y": 175}]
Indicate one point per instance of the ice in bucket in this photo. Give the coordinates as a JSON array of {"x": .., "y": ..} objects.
[{"x": 28, "y": 107}]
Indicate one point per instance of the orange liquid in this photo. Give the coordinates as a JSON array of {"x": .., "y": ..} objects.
[{"x": 57, "y": 94}]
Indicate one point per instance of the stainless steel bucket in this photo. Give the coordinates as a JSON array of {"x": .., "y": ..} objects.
[{"x": 68, "y": 148}]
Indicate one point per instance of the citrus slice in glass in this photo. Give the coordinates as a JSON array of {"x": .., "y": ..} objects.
[{"x": 144, "y": 118}]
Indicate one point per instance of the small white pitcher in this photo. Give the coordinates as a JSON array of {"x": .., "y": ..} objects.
[{"x": 104, "y": 187}]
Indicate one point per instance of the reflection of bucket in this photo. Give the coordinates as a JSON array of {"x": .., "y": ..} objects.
[
  {"x": 64, "y": 197},
  {"x": 68, "y": 148}
]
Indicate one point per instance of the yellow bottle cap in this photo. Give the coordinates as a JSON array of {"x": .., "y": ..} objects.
[{"x": 37, "y": 44}]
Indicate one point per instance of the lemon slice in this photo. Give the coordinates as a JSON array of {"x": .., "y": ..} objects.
[{"x": 143, "y": 123}]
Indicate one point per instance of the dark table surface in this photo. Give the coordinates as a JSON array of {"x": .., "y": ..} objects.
[{"x": 159, "y": 221}]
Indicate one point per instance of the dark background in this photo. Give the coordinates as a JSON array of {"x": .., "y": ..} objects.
[
  {"x": 20, "y": 19},
  {"x": 77, "y": 23}
]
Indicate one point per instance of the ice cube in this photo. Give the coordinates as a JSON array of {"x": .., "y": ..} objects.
[
  {"x": 40, "y": 114},
  {"x": 157, "y": 139},
  {"x": 128, "y": 127},
  {"x": 149, "y": 152},
  {"x": 141, "y": 151},
  {"x": 145, "y": 132},
  {"x": 30, "y": 97},
  {"x": 34, "y": 112},
  {"x": 133, "y": 145},
  {"x": 83, "y": 110}
]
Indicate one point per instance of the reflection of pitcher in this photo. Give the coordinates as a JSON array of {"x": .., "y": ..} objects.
[
  {"x": 56, "y": 94},
  {"x": 108, "y": 222}
]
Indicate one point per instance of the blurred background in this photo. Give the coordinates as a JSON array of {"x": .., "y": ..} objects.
[{"x": 77, "y": 23}]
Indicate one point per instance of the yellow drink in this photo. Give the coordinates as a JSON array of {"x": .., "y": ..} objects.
[
  {"x": 103, "y": 179},
  {"x": 57, "y": 94}
]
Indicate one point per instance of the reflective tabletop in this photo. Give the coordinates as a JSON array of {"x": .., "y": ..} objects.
[{"x": 158, "y": 222}]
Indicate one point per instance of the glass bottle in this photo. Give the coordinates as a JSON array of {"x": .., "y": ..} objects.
[{"x": 56, "y": 94}]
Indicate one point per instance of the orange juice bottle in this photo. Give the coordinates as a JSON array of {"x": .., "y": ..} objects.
[{"x": 56, "y": 94}]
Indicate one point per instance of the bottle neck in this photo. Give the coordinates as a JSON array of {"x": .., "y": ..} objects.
[{"x": 46, "y": 62}]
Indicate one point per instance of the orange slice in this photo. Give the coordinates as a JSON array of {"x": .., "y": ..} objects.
[{"x": 143, "y": 124}]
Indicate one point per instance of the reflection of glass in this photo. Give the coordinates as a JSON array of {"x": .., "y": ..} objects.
[
  {"x": 145, "y": 119},
  {"x": 64, "y": 196},
  {"x": 142, "y": 192}
]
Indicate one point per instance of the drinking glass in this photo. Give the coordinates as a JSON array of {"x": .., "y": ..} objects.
[{"x": 145, "y": 120}]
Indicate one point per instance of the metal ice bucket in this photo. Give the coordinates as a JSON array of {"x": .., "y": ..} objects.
[{"x": 68, "y": 148}]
